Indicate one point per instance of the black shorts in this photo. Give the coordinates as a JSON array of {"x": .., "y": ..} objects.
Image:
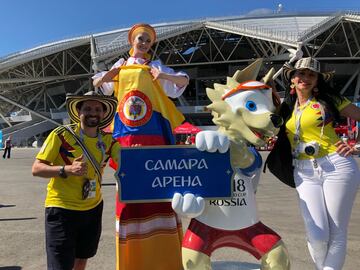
[{"x": 71, "y": 234}]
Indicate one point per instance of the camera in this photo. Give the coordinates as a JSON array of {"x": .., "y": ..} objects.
[{"x": 310, "y": 148}]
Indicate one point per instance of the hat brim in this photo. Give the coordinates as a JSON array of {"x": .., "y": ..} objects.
[
  {"x": 287, "y": 69},
  {"x": 109, "y": 102}
]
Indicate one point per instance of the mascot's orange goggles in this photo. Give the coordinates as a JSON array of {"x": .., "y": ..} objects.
[{"x": 248, "y": 85}]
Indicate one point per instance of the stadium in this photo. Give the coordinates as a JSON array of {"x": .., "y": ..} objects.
[{"x": 34, "y": 83}]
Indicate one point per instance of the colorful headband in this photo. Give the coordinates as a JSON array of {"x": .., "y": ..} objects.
[
  {"x": 141, "y": 28},
  {"x": 248, "y": 85}
]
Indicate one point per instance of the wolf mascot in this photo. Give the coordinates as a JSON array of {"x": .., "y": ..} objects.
[{"x": 243, "y": 110}]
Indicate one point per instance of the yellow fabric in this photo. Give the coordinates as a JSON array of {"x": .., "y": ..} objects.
[
  {"x": 311, "y": 123},
  {"x": 150, "y": 252},
  {"x": 142, "y": 28},
  {"x": 158, "y": 246},
  {"x": 146, "y": 55},
  {"x": 60, "y": 148},
  {"x": 138, "y": 77}
]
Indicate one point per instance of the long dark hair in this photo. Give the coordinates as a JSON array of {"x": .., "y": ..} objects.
[{"x": 327, "y": 96}]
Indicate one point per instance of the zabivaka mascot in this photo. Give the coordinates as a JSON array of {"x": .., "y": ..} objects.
[{"x": 243, "y": 109}]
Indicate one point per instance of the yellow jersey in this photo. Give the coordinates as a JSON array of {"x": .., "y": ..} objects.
[
  {"x": 60, "y": 148},
  {"x": 311, "y": 124}
]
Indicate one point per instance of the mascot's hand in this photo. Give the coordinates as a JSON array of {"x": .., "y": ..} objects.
[
  {"x": 188, "y": 205},
  {"x": 212, "y": 141}
]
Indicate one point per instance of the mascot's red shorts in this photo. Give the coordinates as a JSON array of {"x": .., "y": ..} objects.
[{"x": 257, "y": 239}]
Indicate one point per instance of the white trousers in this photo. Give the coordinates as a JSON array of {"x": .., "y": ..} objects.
[{"x": 326, "y": 196}]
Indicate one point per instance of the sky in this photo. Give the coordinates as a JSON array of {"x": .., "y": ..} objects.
[{"x": 26, "y": 24}]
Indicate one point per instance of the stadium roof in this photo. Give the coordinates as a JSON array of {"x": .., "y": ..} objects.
[
  {"x": 37, "y": 80},
  {"x": 287, "y": 29}
]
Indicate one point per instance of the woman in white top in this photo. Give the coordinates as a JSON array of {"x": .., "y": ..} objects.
[{"x": 148, "y": 235}]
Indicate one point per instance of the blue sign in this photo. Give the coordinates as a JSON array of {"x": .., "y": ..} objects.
[
  {"x": 155, "y": 174},
  {"x": 1, "y": 139}
]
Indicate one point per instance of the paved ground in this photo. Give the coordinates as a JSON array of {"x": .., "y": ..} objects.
[{"x": 22, "y": 219}]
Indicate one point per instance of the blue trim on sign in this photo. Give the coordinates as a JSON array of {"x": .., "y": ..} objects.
[{"x": 156, "y": 173}]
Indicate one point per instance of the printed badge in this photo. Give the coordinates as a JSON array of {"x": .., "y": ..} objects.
[
  {"x": 315, "y": 106},
  {"x": 135, "y": 109}
]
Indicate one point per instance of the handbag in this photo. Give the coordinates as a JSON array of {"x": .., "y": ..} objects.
[{"x": 279, "y": 161}]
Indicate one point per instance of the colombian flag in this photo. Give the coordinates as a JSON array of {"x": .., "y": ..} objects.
[{"x": 145, "y": 115}]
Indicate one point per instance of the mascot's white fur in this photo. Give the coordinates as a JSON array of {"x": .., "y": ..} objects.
[{"x": 243, "y": 109}]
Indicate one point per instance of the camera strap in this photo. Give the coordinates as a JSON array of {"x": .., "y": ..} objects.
[
  {"x": 298, "y": 113},
  {"x": 88, "y": 154}
]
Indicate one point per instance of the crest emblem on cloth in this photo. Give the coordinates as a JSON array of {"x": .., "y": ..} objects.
[
  {"x": 135, "y": 109},
  {"x": 316, "y": 106}
]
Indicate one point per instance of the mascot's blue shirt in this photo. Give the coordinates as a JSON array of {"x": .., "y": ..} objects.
[{"x": 256, "y": 164}]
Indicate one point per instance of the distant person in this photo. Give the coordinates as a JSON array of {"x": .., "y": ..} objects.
[
  {"x": 7, "y": 149},
  {"x": 74, "y": 205},
  {"x": 192, "y": 139},
  {"x": 326, "y": 175},
  {"x": 188, "y": 140}
]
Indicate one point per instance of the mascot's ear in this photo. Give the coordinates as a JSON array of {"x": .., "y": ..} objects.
[
  {"x": 213, "y": 94},
  {"x": 267, "y": 79},
  {"x": 249, "y": 73}
]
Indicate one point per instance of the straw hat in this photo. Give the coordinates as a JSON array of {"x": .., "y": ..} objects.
[
  {"x": 306, "y": 63},
  {"x": 110, "y": 104}
]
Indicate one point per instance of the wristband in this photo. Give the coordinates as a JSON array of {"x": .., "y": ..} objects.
[{"x": 62, "y": 172}]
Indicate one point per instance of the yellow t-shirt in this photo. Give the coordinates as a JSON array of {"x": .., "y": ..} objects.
[
  {"x": 311, "y": 123},
  {"x": 60, "y": 148}
]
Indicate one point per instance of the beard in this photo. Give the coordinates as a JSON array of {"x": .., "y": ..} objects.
[{"x": 92, "y": 121}]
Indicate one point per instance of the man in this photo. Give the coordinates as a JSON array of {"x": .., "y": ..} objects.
[
  {"x": 7, "y": 149},
  {"x": 73, "y": 205}
]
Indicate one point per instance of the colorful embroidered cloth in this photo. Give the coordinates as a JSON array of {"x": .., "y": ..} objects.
[{"x": 148, "y": 235}]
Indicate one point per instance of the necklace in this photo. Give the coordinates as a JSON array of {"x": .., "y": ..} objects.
[{"x": 298, "y": 110}]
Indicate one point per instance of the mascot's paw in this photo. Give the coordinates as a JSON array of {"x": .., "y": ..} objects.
[
  {"x": 188, "y": 205},
  {"x": 212, "y": 141}
]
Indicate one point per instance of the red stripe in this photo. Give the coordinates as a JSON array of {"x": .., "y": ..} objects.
[
  {"x": 142, "y": 210},
  {"x": 141, "y": 140},
  {"x": 144, "y": 236}
]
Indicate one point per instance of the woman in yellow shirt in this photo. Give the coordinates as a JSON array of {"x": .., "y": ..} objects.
[{"x": 325, "y": 174}]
